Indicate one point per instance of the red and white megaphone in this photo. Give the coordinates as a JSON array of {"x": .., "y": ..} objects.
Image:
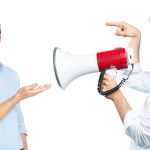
[{"x": 68, "y": 67}]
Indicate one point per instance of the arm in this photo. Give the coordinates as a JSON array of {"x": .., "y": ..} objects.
[
  {"x": 135, "y": 44},
  {"x": 23, "y": 93},
  {"x": 117, "y": 97},
  {"x": 121, "y": 104},
  {"x": 24, "y": 140},
  {"x": 136, "y": 124}
]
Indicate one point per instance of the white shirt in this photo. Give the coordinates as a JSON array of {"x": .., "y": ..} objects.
[{"x": 137, "y": 124}]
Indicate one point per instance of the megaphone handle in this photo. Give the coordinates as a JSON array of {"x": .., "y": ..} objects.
[{"x": 100, "y": 83}]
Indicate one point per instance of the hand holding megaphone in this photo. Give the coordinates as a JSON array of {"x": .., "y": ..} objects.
[
  {"x": 129, "y": 56},
  {"x": 108, "y": 83}
]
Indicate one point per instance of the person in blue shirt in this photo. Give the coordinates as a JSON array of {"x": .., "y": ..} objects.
[{"x": 12, "y": 128}]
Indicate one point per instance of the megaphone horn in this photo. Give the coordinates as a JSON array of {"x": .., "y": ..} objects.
[{"x": 67, "y": 67}]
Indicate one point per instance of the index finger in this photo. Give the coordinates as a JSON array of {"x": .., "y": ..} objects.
[{"x": 115, "y": 24}]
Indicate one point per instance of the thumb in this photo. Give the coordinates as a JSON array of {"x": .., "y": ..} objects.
[{"x": 119, "y": 32}]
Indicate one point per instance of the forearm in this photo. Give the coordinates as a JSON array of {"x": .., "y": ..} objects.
[
  {"x": 24, "y": 140},
  {"x": 135, "y": 44},
  {"x": 7, "y": 106},
  {"x": 121, "y": 104}
]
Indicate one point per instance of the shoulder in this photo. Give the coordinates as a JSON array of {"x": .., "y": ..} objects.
[
  {"x": 8, "y": 71},
  {"x": 9, "y": 78}
]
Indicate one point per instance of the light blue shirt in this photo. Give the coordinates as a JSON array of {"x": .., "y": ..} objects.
[{"x": 12, "y": 125}]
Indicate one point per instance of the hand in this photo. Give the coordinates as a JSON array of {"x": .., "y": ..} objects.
[
  {"x": 107, "y": 84},
  {"x": 125, "y": 29},
  {"x": 31, "y": 90}
]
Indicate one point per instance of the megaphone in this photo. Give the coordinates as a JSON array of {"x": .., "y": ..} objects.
[{"x": 68, "y": 67}]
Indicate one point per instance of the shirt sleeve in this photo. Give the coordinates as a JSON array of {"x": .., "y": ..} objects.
[
  {"x": 138, "y": 79},
  {"x": 137, "y": 125},
  {"x": 21, "y": 124}
]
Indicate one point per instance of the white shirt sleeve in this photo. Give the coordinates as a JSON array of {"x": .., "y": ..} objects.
[
  {"x": 137, "y": 125},
  {"x": 138, "y": 79}
]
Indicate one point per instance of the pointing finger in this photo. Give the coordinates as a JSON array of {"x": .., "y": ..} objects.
[{"x": 116, "y": 24}]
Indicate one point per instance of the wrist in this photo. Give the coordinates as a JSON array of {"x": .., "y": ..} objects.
[
  {"x": 138, "y": 35},
  {"x": 115, "y": 94},
  {"x": 16, "y": 98}
]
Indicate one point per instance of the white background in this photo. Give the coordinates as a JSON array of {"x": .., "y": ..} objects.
[{"x": 77, "y": 118}]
